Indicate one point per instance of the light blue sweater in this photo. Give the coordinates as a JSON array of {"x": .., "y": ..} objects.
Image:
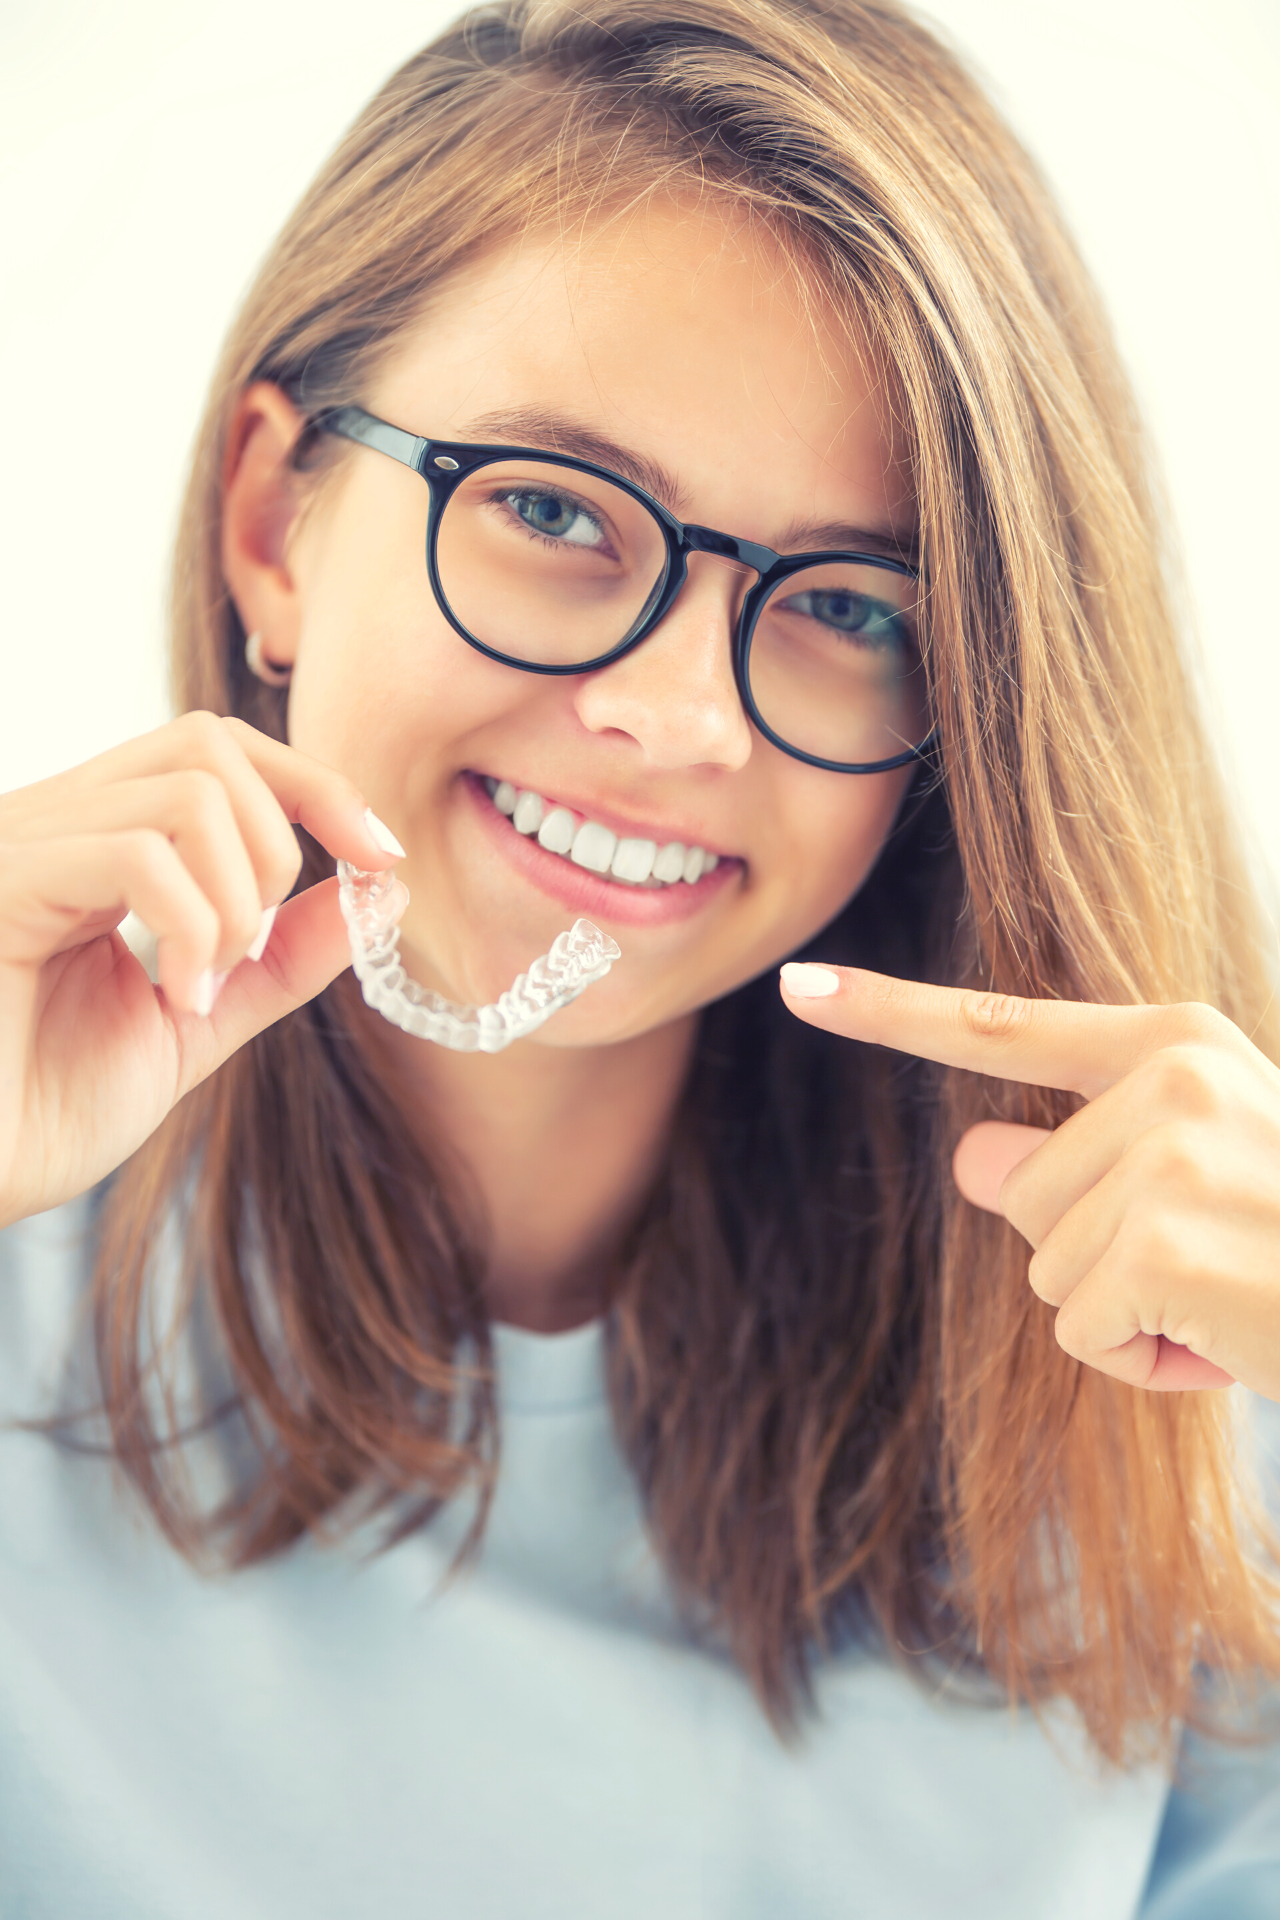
[{"x": 320, "y": 1738}]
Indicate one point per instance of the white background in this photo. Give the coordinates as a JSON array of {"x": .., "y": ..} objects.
[{"x": 150, "y": 149}]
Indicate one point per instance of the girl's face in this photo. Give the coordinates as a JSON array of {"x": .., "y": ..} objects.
[{"x": 675, "y": 339}]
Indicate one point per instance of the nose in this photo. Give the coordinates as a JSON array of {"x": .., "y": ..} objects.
[{"x": 675, "y": 693}]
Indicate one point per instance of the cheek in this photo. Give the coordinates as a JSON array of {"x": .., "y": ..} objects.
[
  {"x": 382, "y": 683},
  {"x": 820, "y": 845},
  {"x": 828, "y": 840},
  {"x": 367, "y": 693}
]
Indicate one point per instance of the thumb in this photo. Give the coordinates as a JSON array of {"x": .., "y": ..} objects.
[
  {"x": 987, "y": 1153},
  {"x": 307, "y": 950}
]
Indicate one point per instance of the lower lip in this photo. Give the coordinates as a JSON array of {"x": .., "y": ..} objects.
[{"x": 589, "y": 893}]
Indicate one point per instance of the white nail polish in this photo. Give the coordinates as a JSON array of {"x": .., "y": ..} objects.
[
  {"x": 381, "y": 834},
  {"x": 263, "y": 934},
  {"x": 806, "y": 982},
  {"x": 203, "y": 996}
]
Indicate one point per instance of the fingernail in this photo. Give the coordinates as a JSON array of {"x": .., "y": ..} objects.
[
  {"x": 381, "y": 834},
  {"x": 807, "y": 982},
  {"x": 263, "y": 934},
  {"x": 207, "y": 989}
]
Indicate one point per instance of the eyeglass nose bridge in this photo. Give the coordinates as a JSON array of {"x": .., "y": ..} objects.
[
  {"x": 726, "y": 547},
  {"x": 684, "y": 539}
]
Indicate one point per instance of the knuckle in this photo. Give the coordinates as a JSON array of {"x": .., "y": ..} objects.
[
  {"x": 240, "y": 921},
  {"x": 206, "y": 731},
  {"x": 202, "y": 797},
  {"x": 1039, "y": 1278},
  {"x": 1197, "y": 1021},
  {"x": 1187, "y": 1078},
  {"x": 150, "y": 857},
  {"x": 1148, "y": 1240},
  {"x": 1171, "y": 1155},
  {"x": 993, "y": 1016},
  {"x": 290, "y": 869},
  {"x": 1151, "y": 1245},
  {"x": 1181, "y": 1156},
  {"x": 149, "y": 853},
  {"x": 282, "y": 862}
]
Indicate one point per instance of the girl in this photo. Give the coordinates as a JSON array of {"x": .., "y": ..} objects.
[{"x": 672, "y": 471}]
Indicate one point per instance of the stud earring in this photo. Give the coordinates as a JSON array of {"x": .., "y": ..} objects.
[{"x": 265, "y": 669}]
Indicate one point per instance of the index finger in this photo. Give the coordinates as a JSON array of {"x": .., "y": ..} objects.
[
  {"x": 1074, "y": 1045},
  {"x": 264, "y": 779},
  {"x": 329, "y": 806}
]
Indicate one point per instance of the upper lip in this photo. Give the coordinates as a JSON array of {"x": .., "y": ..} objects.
[{"x": 613, "y": 818}]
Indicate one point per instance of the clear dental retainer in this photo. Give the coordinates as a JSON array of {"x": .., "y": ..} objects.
[{"x": 578, "y": 958}]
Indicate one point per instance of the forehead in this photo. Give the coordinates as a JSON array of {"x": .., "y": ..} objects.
[{"x": 682, "y": 329}]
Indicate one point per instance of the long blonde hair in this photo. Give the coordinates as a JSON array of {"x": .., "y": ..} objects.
[{"x": 846, "y": 1410}]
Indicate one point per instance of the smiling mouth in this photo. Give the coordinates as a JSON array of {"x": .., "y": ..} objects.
[{"x": 597, "y": 849}]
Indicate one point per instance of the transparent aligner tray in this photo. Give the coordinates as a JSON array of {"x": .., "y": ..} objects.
[{"x": 577, "y": 959}]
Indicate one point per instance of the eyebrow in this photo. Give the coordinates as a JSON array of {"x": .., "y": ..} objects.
[
  {"x": 818, "y": 536},
  {"x": 537, "y": 427}
]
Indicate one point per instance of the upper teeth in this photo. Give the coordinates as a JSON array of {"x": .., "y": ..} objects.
[{"x": 588, "y": 844}]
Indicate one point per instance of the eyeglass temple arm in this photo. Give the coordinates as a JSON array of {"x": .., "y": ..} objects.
[{"x": 353, "y": 423}]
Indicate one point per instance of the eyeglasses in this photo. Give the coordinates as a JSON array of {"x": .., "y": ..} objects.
[{"x": 562, "y": 566}]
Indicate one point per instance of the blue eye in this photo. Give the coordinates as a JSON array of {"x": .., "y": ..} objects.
[
  {"x": 851, "y": 613},
  {"x": 555, "y": 517}
]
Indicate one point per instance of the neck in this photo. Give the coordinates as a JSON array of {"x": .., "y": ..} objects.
[{"x": 561, "y": 1145}]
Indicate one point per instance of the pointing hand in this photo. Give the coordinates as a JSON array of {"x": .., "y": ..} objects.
[{"x": 1154, "y": 1211}]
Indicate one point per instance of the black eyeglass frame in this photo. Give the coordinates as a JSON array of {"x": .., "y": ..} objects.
[{"x": 445, "y": 464}]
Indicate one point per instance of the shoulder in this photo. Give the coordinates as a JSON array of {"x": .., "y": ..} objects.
[
  {"x": 46, "y": 1265},
  {"x": 1218, "y": 1850},
  {"x": 58, "y": 1241}
]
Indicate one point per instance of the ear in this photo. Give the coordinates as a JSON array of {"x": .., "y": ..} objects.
[{"x": 259, "y": 501}]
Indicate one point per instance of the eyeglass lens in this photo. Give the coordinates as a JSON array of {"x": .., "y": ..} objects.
[{"x": 556, "y": 567}]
